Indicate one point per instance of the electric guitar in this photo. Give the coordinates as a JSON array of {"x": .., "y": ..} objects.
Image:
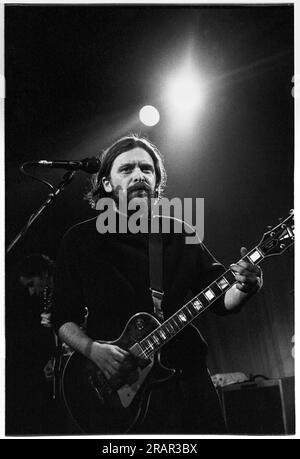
[
  {"x": 51, "y": 369},
  {"x": 115, "y": 405}
]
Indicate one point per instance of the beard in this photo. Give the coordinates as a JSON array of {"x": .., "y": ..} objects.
[{"x": 138, "y": 192}]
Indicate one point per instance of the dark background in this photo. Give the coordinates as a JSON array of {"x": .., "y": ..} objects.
[{"x": 76, "y": 77}]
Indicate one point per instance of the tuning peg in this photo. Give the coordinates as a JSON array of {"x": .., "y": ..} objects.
[
  {"x": 269, "y": 227},
  {"x": 280, "y": 219}
]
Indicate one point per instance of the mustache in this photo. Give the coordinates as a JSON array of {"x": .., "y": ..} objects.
[{"x": 139, "y": 186}]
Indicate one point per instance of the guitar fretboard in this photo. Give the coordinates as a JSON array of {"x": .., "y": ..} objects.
[{"x": 184, "y": 316}]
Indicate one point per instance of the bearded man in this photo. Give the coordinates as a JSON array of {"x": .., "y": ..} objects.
[{"x": 109, "y": 274}]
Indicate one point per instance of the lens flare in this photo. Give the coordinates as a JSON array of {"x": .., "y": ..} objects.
[{"x": 149, "y": 115}]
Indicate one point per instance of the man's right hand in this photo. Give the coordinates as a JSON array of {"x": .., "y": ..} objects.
[{"x": 112, "y": 360}]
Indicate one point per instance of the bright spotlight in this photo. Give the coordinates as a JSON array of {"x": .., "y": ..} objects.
[
  {"x": 149, "y": 115},
  {"x": 185, "y": 94}
]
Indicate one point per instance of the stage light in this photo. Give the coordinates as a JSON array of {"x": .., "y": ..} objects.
[
  {"x": 185, "y": 94},
  {"x": 149, "y": 115}
]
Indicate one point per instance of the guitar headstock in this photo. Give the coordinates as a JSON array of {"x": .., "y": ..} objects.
[{"x": 279, "y": 238}]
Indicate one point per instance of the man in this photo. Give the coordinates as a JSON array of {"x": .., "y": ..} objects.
[
  {"x": 31, "y": 346},
  {"x": 36, "y": 276},
  {"x": 109, "y": 274}
]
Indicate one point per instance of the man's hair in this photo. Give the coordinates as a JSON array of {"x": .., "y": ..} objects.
[
  {"x": 111, "y": 153},
  {"x": 36, "y": 264}
]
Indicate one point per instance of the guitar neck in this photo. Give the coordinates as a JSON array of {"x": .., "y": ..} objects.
[
  {"x": 184, "y": 316},
  {"x": 274, "y": 242}
]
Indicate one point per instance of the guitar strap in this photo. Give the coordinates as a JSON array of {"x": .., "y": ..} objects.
[{"x": 156, "y": 272}]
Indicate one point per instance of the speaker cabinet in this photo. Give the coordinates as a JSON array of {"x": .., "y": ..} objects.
[{"x": 260, "y": 408}]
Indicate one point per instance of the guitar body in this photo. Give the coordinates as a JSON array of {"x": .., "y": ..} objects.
[{"x": 98, "y": 405}]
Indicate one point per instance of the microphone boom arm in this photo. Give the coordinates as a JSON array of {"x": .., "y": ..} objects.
[{"x": 51, "y": 196}]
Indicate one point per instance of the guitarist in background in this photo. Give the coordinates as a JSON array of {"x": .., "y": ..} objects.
[
  {"x": 31, "y": 347},
  {"x": 36, "y": 276},
  {"x": 109, "y": 274}
]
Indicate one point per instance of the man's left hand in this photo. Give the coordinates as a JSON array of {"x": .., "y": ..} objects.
[{"x": 248, "y": 275}]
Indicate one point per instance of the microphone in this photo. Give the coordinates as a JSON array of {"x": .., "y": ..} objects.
[{"x": 89, "y": 165}]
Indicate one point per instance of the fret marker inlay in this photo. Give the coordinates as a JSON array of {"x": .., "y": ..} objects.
[
  {"x": 209, "y": 294},
  {"x": 182, "y": 317},
  {"x": 197, "y": 305},
  {"x": 223, "y": 283},
  {"x": 254, "y": 256}
]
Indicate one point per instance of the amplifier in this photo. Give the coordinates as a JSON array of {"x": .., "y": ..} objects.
[{"x": 260, "y": 408}]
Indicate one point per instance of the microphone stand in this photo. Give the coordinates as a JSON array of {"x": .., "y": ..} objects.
[{"x": 66, "y": 180}]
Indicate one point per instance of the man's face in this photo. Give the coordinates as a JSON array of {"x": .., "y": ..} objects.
[
  {"x": 132, "y": 176},
  {"x": 35, "y": 285}
]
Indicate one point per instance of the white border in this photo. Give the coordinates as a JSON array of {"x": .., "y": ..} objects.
[{"x": 2, "y": 316}]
